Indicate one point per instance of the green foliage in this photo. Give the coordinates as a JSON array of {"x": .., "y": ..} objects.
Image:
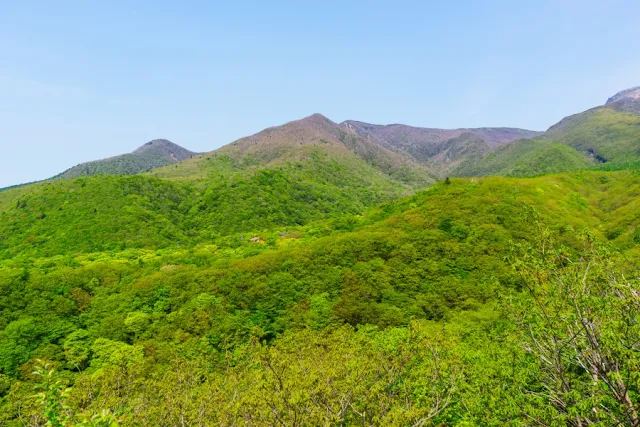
[
  {"x": 157, "y": 303},
  {"x": 53, "y": 397},
  {"x": 580, "y": 322},
  {"x": 283, "y": 280},
  {"x": 527, "y": 158},
  {"x": 76, "y": 349},
  {"x": 91, "y": 214},
  {"x": 107, "y": 352}
]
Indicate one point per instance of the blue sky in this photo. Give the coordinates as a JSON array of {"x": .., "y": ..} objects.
[{"x": 85, "y": 80}]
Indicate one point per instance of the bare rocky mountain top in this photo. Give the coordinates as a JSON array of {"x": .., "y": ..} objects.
[{"x": 627, "y": 100}]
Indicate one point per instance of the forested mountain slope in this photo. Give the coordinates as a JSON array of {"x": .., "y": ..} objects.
[
  {"x": 607, "y": 135},
  {"x": 282, "y": 177},
  {"x": 102, "y": 213},
  {"x": 153, "y": 154}
]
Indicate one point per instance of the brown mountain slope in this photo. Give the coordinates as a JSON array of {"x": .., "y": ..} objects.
[
  {"x": 313, "y": 143},
  {"x": 284, "y": 143},
  {"x": 433, "y": 146}
]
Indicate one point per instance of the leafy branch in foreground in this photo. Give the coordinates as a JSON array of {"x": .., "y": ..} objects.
[
  {"x": 53, "y": 395},
  {"x": 581, "y": 322}
]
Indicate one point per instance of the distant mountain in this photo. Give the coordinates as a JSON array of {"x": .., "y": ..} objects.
[
  {"x": 440, "y": 149},
  {"x": 310, "y": 141},
  {"x": 284, "y": 142},
  {"x": 607, "y": 136},
  {"x": 293, "y": 174},
  {"x": 153, "y": 154}
]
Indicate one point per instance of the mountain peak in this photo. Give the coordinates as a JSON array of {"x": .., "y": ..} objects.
[
  {"x": 153, "y": 154},
  {"x": 316, "y": 119},
  {"x": 627, "y": 100},
  {"x": 158, "y": 144},
  {"x": 632, "y": 93},
  {"x": 316, "y": 116}
]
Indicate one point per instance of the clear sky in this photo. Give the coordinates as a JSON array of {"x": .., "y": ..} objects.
[{"x": 82, "y": 80}]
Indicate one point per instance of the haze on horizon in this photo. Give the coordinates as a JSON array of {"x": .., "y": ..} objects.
[{"x": 83, "y": 81}]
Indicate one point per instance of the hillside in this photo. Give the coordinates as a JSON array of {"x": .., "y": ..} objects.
[
  {"x": 606, "y": 136},
  {"x": 153, "y": 154},
  {"x": 526, "y": 158},
  {"x": 441, "y": 149},
  {"x": 282, "y": 177}
]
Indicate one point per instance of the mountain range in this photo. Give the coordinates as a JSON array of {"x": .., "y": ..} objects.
[
  {"x": 414, "y": 156},
  {"x": 309, "y": 169}
]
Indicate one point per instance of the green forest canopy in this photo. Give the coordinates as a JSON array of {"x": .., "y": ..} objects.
[{"x": 275, "y": 298}]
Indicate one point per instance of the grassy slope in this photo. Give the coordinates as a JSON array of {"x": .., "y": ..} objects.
[
  {"x": 526, "y": 158},
  {"x": 581, "y": 141},
  {"x": 613, "y": 135}
]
